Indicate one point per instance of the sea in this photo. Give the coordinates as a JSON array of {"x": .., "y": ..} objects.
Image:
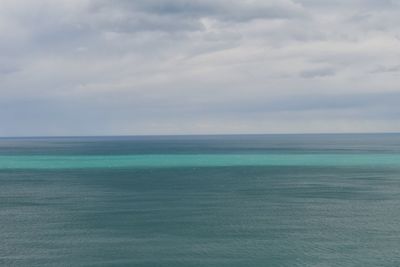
[{"x": 217, "y": 200}]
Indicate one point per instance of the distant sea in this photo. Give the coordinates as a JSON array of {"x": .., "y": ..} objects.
[{"x": 238, "y": 200}]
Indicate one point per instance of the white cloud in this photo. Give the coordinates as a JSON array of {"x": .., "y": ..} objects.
[{"x": 188, "y": 66}]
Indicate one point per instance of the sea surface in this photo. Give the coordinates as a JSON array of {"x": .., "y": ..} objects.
[{"x": 244, "y": 200}]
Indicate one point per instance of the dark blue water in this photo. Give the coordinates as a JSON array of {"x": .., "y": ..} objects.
[{"x": 274, "y": 200}]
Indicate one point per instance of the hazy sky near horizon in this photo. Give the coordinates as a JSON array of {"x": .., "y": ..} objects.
[{"x": 109, "y": 67}]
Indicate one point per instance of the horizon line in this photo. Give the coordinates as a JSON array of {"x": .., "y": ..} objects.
[{"x": 194, "y": 135}]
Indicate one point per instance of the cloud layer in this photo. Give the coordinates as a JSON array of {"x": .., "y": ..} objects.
[{"x": 92, "y": 67}]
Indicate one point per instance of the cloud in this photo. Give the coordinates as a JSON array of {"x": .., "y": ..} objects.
[
  {"x": 321, "y": 72},
  {"x": 220, "y": 9},
  {"x": 383, "y": 69},
  {"x": 6, "y": 70},
  {"x": 190, "y": 66},
  {"x": 183, "y": 15}
]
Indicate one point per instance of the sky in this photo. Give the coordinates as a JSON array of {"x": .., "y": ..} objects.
[{"x": 138, "y": 67}]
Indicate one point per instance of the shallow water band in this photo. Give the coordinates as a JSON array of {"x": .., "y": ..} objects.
[{"x": 196, "y": 160}]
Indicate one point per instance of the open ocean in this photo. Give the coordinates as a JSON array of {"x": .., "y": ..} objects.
[{"x": 245, "y": 200}]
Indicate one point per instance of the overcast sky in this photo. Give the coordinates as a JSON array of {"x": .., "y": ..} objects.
[{"x": 110, "y": 67}]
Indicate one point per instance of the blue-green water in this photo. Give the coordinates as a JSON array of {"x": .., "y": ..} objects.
[{"x": 274, "y": 200}]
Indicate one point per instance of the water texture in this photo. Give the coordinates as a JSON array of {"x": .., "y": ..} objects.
[{"x": 273, "y": 200}]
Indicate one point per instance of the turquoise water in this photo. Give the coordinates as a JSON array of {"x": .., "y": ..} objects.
[
  {"x": 198, "y": 160},
  {"x": 278, "y": 200}
]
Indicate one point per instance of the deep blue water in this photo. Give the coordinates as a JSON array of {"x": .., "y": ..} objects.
[{"x": 251, "y": 200}]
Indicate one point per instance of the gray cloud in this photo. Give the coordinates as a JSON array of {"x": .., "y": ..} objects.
[
  {"x": 6, "y": 70},
  {"x": 383, "y": 69},
  {"x": 191, "y": 66},
  {"x": 321, "y": 72},
  {"x": 184, "y": 15},
  {"x": 221, "y": 9}
]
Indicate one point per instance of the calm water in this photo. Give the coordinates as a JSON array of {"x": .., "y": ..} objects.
[{"x": 276, "y": 200}]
